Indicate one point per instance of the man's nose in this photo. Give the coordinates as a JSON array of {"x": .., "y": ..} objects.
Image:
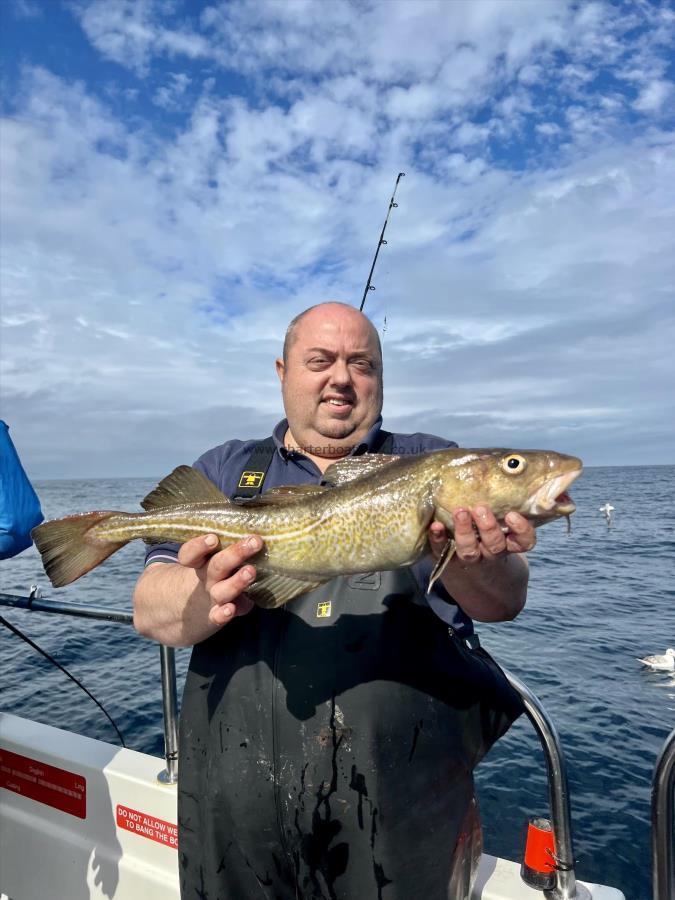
[{"x": 340, "y": 373}]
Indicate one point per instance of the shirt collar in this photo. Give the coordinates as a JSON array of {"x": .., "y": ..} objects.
[{"x": 366, "y": 446}]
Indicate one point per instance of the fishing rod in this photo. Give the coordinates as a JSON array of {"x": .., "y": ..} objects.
[{"x": 392, "y": 205}]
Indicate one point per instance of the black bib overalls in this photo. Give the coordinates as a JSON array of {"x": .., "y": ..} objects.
[{"x": 327, "y": 749}]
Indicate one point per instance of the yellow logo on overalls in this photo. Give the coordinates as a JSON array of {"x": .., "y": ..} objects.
[
  {"x": 323, "y": 609},
  {"x": 251, "y": 479}
]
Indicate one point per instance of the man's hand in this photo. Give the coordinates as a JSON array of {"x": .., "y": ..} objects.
[
  {"x": 223, "y": 575},
  {"x": 484, "y": 541},
  {"x": 488, "y": 575}
]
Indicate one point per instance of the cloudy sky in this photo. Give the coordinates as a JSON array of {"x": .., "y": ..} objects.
[{"x": 180, "y": 178}]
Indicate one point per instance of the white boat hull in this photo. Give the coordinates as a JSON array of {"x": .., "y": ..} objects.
[{"x": 85, "y": 820}]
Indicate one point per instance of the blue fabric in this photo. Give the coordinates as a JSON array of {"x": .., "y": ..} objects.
[
  {"x": 223, "y": 466},
  {"x": 19, "y": 505}
]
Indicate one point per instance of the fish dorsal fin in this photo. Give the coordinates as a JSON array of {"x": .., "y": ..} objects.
[
  {"x": 270, "y": 590},
  {"x": 287, "y": 493},
  {"x": 353, "y": 467},
  {"x": 183, "y": 485}
]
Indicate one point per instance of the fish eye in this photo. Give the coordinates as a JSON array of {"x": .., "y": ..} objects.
[{"x": 513, "y": 464}]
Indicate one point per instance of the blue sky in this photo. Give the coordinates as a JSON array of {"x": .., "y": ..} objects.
[{"x": 181, "y": 178}]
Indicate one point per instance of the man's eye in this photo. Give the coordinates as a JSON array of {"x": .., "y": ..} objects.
[
  {"x": 364, "y": 365},
  {"x": 317, "y": 362}
]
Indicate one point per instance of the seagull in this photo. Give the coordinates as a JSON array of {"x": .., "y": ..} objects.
[
  {"x": 607, "y": 510},
  {"x": 664, "y": 662}
]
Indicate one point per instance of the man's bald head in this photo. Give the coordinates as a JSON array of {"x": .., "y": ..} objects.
[{"x": 330, "y": 306}]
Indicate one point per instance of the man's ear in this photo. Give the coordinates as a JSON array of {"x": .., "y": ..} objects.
[{"x": 280, "y": 369}]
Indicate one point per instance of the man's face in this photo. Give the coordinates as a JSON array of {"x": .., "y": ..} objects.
[{"x": 331, "y": 382}]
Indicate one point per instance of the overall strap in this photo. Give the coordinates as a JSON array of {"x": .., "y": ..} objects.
[
  {"x": 254, "y": 470},
  {"x": 384, "y": 442}
]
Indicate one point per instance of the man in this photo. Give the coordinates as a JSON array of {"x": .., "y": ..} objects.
[{"x": 327, "y": 747}]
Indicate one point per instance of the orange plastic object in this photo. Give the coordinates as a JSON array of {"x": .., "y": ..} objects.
[{"x": 538, "y": 865}]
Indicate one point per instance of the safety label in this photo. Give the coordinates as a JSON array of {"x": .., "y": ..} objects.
[
  {"x": 66, "y": 791},
  {"x": 147, "y": 826}
]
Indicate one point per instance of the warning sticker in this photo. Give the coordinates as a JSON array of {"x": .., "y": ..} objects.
[
  {"x": 147, "y": 826},
  {"x": 50, "y": 785}
]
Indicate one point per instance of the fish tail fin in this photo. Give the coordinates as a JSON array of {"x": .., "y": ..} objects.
[{"x": 67, "y": 548}]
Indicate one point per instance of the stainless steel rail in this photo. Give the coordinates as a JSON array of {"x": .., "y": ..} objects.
[
  {"x": 35, "y": 603},
  {"x": 663, "y": 808},
  {"x": 167, "y": 656},
  {"x": 169, "y": 708},
  {"x": 565, "y": 887}
]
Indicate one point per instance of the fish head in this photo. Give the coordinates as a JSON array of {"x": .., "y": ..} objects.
[{"x": 531, "y": 482}]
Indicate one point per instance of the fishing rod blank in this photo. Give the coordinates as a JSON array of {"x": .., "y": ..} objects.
[{"x": 392, "y": 205}]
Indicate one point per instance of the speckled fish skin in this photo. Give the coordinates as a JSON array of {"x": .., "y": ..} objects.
[{"x": 374, "y": 518}]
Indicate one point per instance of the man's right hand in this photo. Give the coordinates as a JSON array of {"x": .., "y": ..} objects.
[{"x": 222, "y": 574}]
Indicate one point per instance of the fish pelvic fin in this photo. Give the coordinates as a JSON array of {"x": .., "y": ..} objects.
[
  {"x": 446, "y": 555},
  {"x": 67, "y": 548},
  {"x": 270, "y": 590},
  {"x": 184, "y": 485}
]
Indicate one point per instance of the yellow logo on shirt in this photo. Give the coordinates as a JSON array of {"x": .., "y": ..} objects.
[
  {"x": 251, "y": 479},
  {"x": 323, "y": 609}
]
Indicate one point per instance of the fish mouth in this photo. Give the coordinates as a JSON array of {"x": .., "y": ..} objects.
[{"x": 552, "y": 499}]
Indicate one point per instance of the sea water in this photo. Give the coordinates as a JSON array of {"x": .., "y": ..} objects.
[{"x": 599, "y": 598}]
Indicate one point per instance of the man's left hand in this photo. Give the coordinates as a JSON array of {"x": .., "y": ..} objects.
[
  {"x": 496, "y": 590},
  {"x": 479, "y": 536}
]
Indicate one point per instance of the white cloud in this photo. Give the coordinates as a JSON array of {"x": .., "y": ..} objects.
[
  {"x": 25, "y": 9},
  {"x": 128, "y": 32},
  {"x": 653, "y": 96},
  {"x": 150, "y": 271},
  {"x": 170, "y": 95}
]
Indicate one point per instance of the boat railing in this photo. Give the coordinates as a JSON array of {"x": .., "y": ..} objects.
[
  {"x": 663, "y": 808},
  {"x": 34, "y": 602},
  {"x": 565, "y": 886}
]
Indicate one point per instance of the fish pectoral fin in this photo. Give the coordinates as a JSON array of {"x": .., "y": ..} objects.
[
  {"x": 353, "y": 467},
  {"x": 270, "y": 590},
  {"x": 183, "y": 485},
  {"x": 286, "y": 494},
  {"x": 446, "y": 555}
]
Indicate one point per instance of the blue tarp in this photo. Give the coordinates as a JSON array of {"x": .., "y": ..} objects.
[{"x": 19, "y": 505}]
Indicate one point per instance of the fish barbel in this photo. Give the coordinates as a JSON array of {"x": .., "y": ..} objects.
[{"x": 372, "y": 515}]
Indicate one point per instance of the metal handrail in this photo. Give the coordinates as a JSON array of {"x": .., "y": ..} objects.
[
  {"x": 169, "y": 709},
  {"x": 565, "y": 887},
  {"x": 167, "y": 657},
  {"x": 35, "y": 603},
  {"x": 663, "y": 807}
]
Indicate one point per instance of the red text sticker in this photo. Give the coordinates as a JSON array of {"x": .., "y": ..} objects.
[
  {"x": 50, "y": 785},
  {"x": 147, "y": 826}
]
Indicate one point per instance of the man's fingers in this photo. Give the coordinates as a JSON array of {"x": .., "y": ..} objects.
[
  {"x": 522, "y": 536},
  {"x": 227, "y": 589},
  {"x": 467, "y": 546},
  {"x": 223, "y": 564},
  {"x": 194, "y": 553},
  {"x": 438, "y": 536},
  {"x": 489, "y": 531},
  {"x": 221, "y": 614}
]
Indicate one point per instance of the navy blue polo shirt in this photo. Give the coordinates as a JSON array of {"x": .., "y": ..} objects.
[{"x": 224, "y": 464}]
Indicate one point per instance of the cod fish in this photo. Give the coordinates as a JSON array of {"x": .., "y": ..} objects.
[{"x": 372, "y": 515}]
